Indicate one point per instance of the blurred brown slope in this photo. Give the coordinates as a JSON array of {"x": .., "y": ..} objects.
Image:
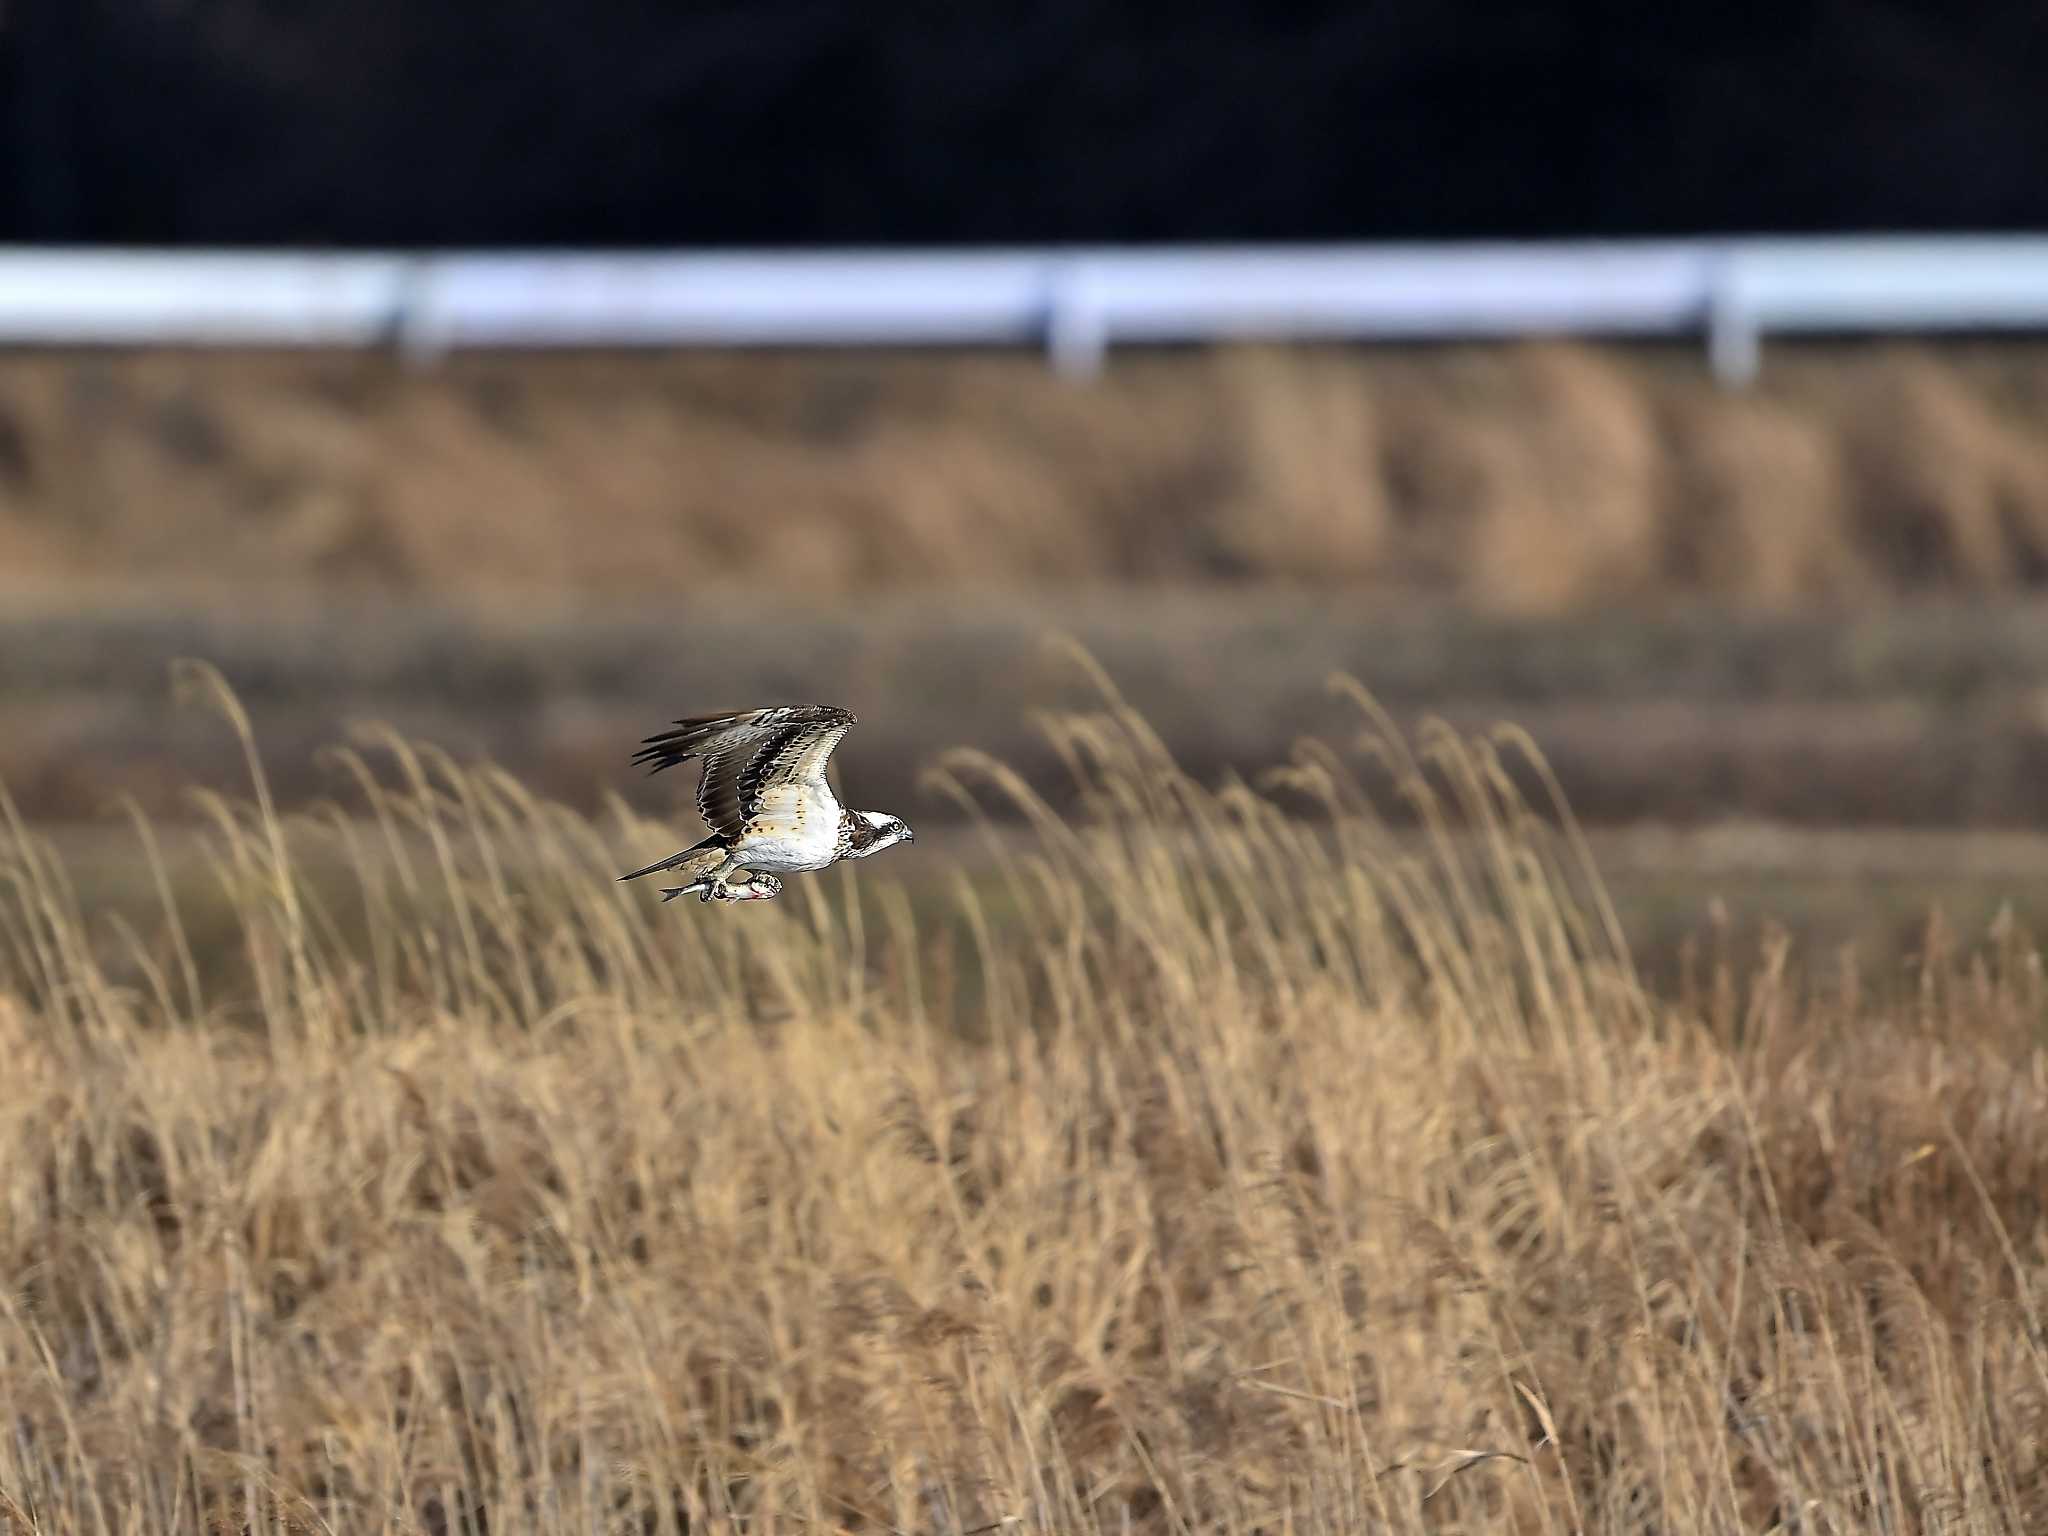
[{"x": 1528, "y": 478}]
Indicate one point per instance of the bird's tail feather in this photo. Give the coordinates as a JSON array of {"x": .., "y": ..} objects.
[{"x": 678, "y": 860}]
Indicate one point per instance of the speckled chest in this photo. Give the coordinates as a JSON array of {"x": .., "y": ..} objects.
[{"x": 791, "y": 843}]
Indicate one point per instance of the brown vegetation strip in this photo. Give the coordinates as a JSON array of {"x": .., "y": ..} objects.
[{"x": 1536, "y": 477}]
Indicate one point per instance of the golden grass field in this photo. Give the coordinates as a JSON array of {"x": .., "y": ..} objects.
[{"x": 1204, "y": 1168}]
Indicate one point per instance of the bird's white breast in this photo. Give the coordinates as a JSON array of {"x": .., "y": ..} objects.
[{"x": 790, "y": 832}]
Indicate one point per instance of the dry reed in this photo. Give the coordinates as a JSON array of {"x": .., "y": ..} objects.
[{"x": 1209, "y": 1169}]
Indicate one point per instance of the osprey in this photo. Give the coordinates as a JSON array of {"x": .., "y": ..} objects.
[{"x": 765, "y": 797}]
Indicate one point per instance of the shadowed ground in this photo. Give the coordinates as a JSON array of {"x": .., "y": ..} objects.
[{"x": 1931, "y": 714}]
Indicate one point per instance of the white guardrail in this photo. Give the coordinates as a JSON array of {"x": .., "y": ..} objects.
[{"x": 1077, "y": 303}]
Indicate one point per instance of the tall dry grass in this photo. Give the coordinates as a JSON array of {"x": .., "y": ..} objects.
[{"x": 1211, "y": 1169}]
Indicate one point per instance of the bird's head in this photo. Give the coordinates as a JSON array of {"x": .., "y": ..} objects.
[{"x": 889, "y": 831}]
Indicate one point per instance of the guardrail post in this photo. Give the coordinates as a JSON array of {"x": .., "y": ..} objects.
[
  {"x": 1076, "y": 330},
  {"x": 1733, "y": 344},
  {"x": 417, "y": 327}
]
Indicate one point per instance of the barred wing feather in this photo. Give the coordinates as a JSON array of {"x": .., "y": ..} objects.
[{"x": 753, "y": 760}]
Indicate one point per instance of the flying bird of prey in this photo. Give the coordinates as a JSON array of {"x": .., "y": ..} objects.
[{"x": 765, "y": 797}]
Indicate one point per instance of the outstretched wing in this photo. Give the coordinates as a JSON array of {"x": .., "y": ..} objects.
[{"x": 755, "y": 755}]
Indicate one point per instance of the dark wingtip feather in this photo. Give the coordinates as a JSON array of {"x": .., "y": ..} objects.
[{"x": 665, "y": 749}]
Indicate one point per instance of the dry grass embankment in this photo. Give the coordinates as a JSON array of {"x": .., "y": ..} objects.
[
  {"x": 1222, "y": 1173},
  {"x": 1535, "y": 477}
]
